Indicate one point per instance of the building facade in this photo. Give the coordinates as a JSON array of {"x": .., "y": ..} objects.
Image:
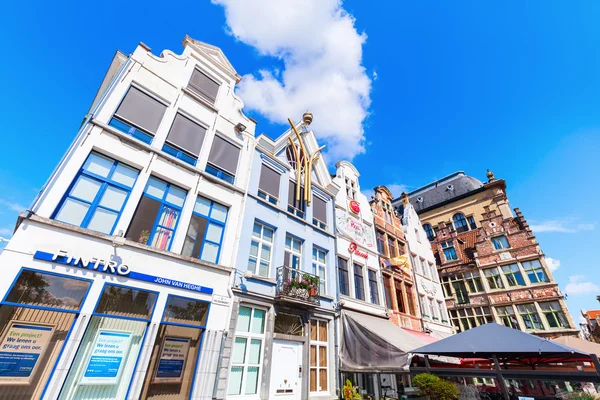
[
  {"x": 281, "y": 340},
  {"x": 490, "y": 264},
  {"x": 591, "y": 328},
  {"x": 427, "y": 281},
  {"x": 117, "y": 279}
]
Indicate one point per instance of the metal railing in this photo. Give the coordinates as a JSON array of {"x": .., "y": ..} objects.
[{"x": 293, "y": 284}]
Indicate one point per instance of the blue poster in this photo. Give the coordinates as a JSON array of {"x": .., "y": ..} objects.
[
  {"x": 21, "y": 349},
  {"x": 108, "y": 356},
  {"x": 173, "y": 355}
]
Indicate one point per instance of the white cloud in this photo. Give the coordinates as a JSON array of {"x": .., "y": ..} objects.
[
  {"x": 322, "y": 56},
  {"x": 578, "y": 285},
  {"x": 12, "y": 205},
  {"x": 553, "y": 264},
  {"x": 568, "y": 225}
]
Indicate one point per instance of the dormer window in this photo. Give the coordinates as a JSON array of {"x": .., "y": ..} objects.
[
  {"x": 419, "y": 199},
  {"x": 204, "y": 86},
  {"x": 351, "y": 189}
]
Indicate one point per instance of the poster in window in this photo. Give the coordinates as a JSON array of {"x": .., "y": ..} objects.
[
  {"x": 171, "y": 364},
  {"x": 107, "y": 358},
  {"x": 21, "y": 351}
]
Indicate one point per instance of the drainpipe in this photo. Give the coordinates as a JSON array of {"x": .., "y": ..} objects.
[
  {"x": 336, "y": 321},
  {"x": 414, "y": 276}
]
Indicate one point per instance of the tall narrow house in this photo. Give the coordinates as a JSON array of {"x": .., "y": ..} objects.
[
  {"x": 118, "y": 275},
  {"x": 490, "y": 263}
]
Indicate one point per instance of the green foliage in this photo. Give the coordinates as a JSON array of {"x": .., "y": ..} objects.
[
  {"x": 579, "y": 396},
  {"x": 435, "y": 387},
  {"x": 350, "y": 392}
]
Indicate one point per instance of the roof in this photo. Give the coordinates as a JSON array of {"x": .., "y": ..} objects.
[
  {"x": 443, "y": 190},
  {"x": 491, "y": 339},
  {"x": 593, "y": 314}
]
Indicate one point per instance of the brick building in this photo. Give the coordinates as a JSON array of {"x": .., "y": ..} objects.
[
  {"x": 490, "y": 263},
  {"x": 399, "y": 288},
  {"x": 591, "y": 327}
]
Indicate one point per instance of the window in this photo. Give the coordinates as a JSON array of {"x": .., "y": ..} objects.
[
  {"x": 373, "y": 288},
  {"x": 463, "y": 284},
  {"x": 98, "y": 194},
  {"x": 535, "y": 272},
  {"x": 294, "y": 206},
  {"x": 400, "y": 296},
  {"x": 513, "y": 275},
  {"x": 259, "y": 261},
  {"x": 507, "y": 316},
  {"x": 494, "y": 278},
  {"x": 293, "y": 252},
  {"x": 388, "y": 213},
  {"x": 449, "y": 251},
  {"x": 460, "y": 223},
  {"x": 434, "y": 274},
  {"x": 530, "y": 316},
  {"x": 387, "y": 286},
  {"x": 268, "y": 186},
  {"x": 467, "y": 318},
  {"x": 319, "y": 212},
  {"x": 424, "y": 306},
  {"x": 484, "y": 315},
  {"x": 471, "y": 222},
  {"x": 460, "y": 290},
  {"x": 318, "y": 356},
  {"x": 205, "y": 233},
  {"x": 426, "y": 271},
  {"x": 473, "y": 281},
  {"x": 381, "y": 248},
  {"x": 247, "y": 353},
  {"x": 416, "y": 265},
  {"x": 343, "y": 276},
  {"x": 442, "y": 312},
  {"x": 319, "y": 268},
  {"x": 359, "y": 286},
  {"x": 185, "y": 139},
  {"x": 392, "y": 247},
  {"x": 223, "y": 160},
  {"x": 428, "y": 231},
  {"x": 554, "y": 315},
  {"x": 410, "y": 299},
  {"x": 156, "y": 216},
  {"x": 204, "y": 86},
  {"x": 500, "y": 242},
  {"x": 138, "y": 115},
  {"x": 350, "y": 189}
]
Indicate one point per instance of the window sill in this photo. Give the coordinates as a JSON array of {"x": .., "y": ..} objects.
[
  {"x": 263, "y": 279},
  {"x": 199, "y": 99}
]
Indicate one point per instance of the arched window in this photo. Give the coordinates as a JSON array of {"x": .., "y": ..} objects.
[
  {"x": 428, "y": 231},
  {"x": 460, "y": 223}
]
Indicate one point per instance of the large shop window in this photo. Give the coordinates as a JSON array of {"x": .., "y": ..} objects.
[
  {"x": 185, "y": 139},
  {"x": 318, "y": 356},
  {"x": 247, "y": 354},
  {"x": 261, "y": 246},
  {"x": 106, "y": 358},
  {"x": 139, "y": 115},
  {"x": 98, "y": 194},
  {"x": 205, "y": 233},
  {"x": 268, "y": 186},
  {"x": 156, "y": 217},
  {"x": 36, "y": 317},
  {"x": 223, "y": 160},
  {"x": 176, "y": 350}
]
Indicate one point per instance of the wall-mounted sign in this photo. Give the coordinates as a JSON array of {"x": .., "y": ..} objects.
[
  {"x": 111, "y": 267},
  {"x": 353, "y": 249},
  {"x": 21, "y": 350},
  {"x": 173, "y": 355},
  {"x": 108, "y": 358},
  {"x": 220, "y": 300},
  {"x": 354, "y": 207},
  {"x": 354, "y": 229}
]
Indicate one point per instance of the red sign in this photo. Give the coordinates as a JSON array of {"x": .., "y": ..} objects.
[
  {"x": 354, "y": 207},
  {"x": 353, "y": 248}
]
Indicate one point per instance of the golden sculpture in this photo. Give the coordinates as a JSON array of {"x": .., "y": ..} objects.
[{"x": 304, "y": 161}]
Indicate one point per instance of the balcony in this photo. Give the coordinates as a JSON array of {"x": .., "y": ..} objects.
[{"x": 297, "y": 287}]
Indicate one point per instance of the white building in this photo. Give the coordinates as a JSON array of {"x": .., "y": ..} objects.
[
  {"x": 117, "y": 280},
  {"x": 429, "y": 288}
]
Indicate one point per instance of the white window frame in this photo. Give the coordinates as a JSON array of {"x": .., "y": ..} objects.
[
  {"x": 426, "y": 272},
  {"x": 425, "y": 306},
  {"x": 433, "y": 308},
  {"x": 293, "y": 252},
  {"x": 350, "y": 189},
  {"x": 416, "y": 264},
  {"x": 433, "y": 270},
  {"x": 317, "y": 265},
  {"x": 249, "y": 336},
  {"x": 262, "y": 241},
  {"x": 320, "y": 343},
  {"x": 501, "y": 246},
  {"x": 443, "y": 312}
]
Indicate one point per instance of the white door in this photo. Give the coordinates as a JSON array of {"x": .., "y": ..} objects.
[{"x": 286, "y": 370}]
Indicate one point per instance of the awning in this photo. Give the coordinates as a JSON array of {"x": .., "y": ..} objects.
[{"x": 372, "y": 344}]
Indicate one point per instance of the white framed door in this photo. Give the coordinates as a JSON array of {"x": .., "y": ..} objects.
[{"x": 286, "y": 370}]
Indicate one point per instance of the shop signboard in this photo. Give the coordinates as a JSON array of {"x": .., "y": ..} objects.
[
  {"x": 171, "y": 364},
  {"x": 21, "y": 350},
  {"x": 354, "y": 229},
  {"x": 108, "y": 357}
]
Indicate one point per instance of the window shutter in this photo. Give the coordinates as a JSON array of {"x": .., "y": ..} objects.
[
  {"x": 224, "y": 155},
  {"x": 142, "y": 110},
  {"x": 269, "y": 181},
  {"x": 187, "y": 134},
  {"x": 319, "y": 209},
  {"x": 292, "y": 197},
  {"x": 203, "y": 85}
]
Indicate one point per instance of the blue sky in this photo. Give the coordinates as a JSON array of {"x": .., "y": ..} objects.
[{"x": 423, "y": 89}]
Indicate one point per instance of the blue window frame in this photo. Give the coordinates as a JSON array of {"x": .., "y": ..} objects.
[
  {"x": 157, "y": 215},
  {"x": 185, "y": 139},
  {"x": 449, "y": 251},
  {"x": 219, "y": 173},
  {"x": 223, "y": 159},
  {"x": 175, "y": 152},
  {"x": 205, "y": 233},
  {"x": 428, "y": 231},
  {"x": 460, "y": 223},
  {"x": 98, "y": 194},
  {"x": 131, "y": 130}
]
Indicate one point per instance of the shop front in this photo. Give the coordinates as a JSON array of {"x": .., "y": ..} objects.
[{"x": 83, "y": 319}]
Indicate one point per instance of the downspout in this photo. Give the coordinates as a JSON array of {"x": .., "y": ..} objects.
[
  {"x": 336, "y": 329},
  {"x": 414, "y": 275}
]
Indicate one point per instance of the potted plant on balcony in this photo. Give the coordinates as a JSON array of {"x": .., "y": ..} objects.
[{"x": 302, "y": 287}]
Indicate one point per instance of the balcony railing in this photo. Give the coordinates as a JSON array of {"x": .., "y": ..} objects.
[{"x": 297, "y": 286}]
